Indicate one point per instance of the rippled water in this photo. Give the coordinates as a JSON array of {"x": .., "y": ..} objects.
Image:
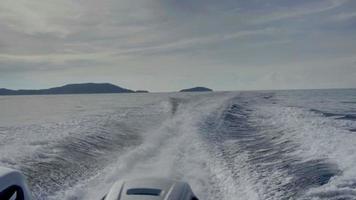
[{"x": 227, "y": 145}]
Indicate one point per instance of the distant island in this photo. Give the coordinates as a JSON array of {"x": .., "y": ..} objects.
[
  {"x": 82, "y": 88},
  {"x": 141, "y": 91},
  {"x": 197, "y": 89}
]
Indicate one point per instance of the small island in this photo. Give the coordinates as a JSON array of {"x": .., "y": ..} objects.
[
  {"x": 142, "y": 91},
  {"x": 197, "y": 89}
]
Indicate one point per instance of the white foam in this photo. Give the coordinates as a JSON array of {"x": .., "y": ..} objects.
[
  {"x": 317, "y": 137},
  {"x": 174, "y": 150}
]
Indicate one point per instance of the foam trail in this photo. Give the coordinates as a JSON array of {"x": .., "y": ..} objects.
[
  {"x": 250, "y": 145},
  {"x": 175, "y": 150}
]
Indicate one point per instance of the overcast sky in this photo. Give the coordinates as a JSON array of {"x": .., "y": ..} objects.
[{"x": 167, "y": 45}]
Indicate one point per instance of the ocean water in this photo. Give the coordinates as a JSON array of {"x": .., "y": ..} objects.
[{"x": 227, "y": 145}]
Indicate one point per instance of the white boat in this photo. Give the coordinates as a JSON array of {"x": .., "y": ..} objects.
[
  {"x": 150, "y": 189},
  {"x": 13, "y": 187}
]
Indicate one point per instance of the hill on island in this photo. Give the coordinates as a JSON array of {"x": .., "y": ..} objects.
[
  {"x": 82, "y": 88},
  {"x": 197, "y": 89}
]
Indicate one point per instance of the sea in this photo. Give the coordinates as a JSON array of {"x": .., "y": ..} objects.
[{"x": 248, "y": 145}]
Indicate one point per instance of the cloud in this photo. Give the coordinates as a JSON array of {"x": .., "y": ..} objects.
[
  {"x": 51, "y": 58},
  {"x": 298, "y": 11},
  {"x": 61, "y": 18},
  {"x": 186, "y": 43},
  {"x": 38, "y": 17},
  {"x": 127, "y": 38},
  {"x": 344, "y": 16},
  {"x": 199, "y": 41}
]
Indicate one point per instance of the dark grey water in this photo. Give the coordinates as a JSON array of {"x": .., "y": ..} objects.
[{"x": 228, "y": 145}]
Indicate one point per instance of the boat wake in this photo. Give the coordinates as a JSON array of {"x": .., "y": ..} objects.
[{"x": 226, "y": 145}]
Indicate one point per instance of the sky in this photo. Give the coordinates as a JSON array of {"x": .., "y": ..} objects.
[{"x": 167, "y": 45}]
